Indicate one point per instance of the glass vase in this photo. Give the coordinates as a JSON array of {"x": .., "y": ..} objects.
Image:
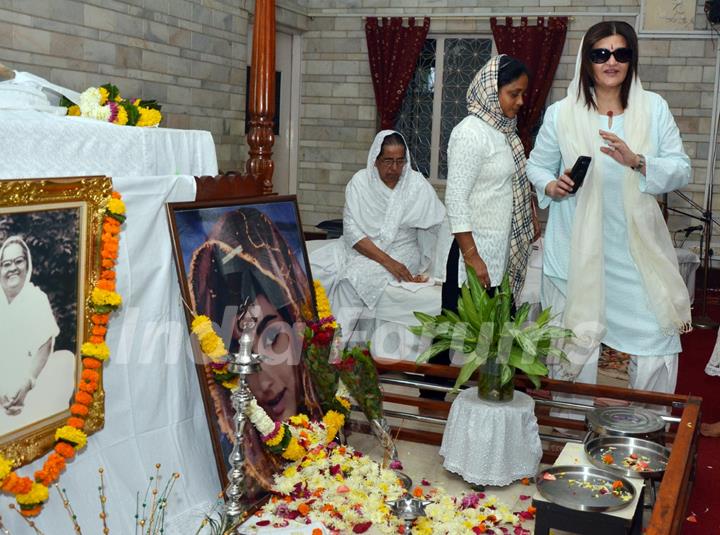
[{"x": 489, "y": 383}]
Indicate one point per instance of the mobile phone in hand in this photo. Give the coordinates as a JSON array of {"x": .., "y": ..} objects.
[{"x": 579, "y": 170}]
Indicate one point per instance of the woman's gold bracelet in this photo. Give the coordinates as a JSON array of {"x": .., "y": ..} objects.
[{"x": 465, "y": 253}]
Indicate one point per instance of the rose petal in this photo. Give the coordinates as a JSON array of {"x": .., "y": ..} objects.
[
  {"x": 362, "y": 528},
  {"x": 524, "y": 497}
]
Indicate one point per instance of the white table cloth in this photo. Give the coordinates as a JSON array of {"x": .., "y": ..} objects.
[
  {"x": 489, "y": 442},
  {"x": 36, "y": 144},
  {"x": 153, "y": 407}
]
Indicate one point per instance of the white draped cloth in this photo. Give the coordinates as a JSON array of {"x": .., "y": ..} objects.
[
  {"x": 404, "y": 222},
  {"x": 151, "y": 363},
  {"x": 39, "y": 140}
]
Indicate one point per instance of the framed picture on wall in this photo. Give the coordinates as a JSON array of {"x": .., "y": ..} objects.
[
  {"x": 49, "y": 257},
  {"x": 229, "y": 251}
]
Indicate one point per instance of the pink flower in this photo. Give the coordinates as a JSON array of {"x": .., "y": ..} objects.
[{"x": 396, "y": 465}]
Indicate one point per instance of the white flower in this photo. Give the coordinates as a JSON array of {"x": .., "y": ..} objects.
[
  {"x": 100, "y": 113},
  {"x": 90, "y": 98},
  {"x": 90, "y": 105},
  {"x": 262, "y": 422}
]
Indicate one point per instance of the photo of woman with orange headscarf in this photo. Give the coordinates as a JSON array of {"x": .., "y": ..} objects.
[{"x": 252, "y": 252}]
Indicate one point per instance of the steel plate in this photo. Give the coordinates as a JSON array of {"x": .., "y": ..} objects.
[
  {"x": 656, "y": 456},
  {"x": 567, "y": 489},
  {"x": 624, "y": 421}
]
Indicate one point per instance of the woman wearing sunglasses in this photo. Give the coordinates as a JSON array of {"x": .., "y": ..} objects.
[{"x": 609, "y": 265}]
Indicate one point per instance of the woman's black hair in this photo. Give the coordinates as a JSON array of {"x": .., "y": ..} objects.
[
  {"x": 509, "y": 70},
  {"x": 595, "y": 33},
  {"x": 393, "y": 139}
]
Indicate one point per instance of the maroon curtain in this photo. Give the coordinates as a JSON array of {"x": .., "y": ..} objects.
[
  {"x": 540, "y": 48},
  {"x": 393, "y": 51}
]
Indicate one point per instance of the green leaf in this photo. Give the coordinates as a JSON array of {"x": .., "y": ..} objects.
[
  {"x": 528, "y": 345},
  {"x": 424, "y": 318},
  {"x": 505, "y": 305},
  {"x": 535, "y": 379},
  {"x": 419, "y": 330},
  {"x": 66, "y": 102},
  {"x": 469, "y": 306},
  {"x": 530, "y": 365},
  {"x": 112, "y": 90},
  {"x": 543, "y": 317},
  {"x": 466, "y": 372},
  {"x": 450, "y": 315},
  {"x": 433, "y": 350},
  {"x": 522, "y": 314},
  {"x": 132, "y": 112},
  {"x": 556, "y": 333},
  {"x": 506, "y": 374}
]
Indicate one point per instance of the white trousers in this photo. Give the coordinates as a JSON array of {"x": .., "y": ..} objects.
[
  {"x": 713, "y": 365},
  {"x": 656, "y": 373}
]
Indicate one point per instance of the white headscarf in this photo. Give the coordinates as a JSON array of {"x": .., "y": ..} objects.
[
  {"x": 28, "y": 274},
  {"x": 380, "y": 210},
  {"x": 648, "y": 236}
]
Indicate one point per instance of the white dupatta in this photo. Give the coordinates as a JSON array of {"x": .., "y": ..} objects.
[{"x": 648, "y": 236}]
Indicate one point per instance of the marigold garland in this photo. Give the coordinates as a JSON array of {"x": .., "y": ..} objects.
[{"x": 69, "y": 438}]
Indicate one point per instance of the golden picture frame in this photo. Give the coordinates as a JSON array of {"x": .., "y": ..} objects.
[{"x": 50, "y": 243}]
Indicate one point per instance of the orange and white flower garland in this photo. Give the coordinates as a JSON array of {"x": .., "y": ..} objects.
[{"x": 31, "y": 494}]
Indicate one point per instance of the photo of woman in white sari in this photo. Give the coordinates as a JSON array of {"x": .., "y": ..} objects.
[{"x": 36, "y": 382}]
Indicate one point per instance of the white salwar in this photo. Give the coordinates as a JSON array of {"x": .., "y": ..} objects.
[{"x": 404, "y": 222}]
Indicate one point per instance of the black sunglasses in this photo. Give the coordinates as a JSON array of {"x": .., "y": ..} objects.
[{"x": 602, "y": 55}]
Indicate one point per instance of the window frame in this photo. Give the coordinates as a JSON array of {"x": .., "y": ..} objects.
[{"x": 437, "y": 94}]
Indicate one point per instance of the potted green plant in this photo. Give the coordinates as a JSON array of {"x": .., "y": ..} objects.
[{"x": 494, "y": 341}]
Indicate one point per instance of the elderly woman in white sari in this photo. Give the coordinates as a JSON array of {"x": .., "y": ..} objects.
[
  {"x": 27, "y": 334},
  {"x": 609, "y": 264},
  {"x": 391, "y": 221}
]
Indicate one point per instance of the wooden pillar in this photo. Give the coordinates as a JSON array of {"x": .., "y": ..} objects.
[{"x": 262, "y": 96}]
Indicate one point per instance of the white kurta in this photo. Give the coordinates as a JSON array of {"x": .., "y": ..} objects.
[
  {"x": 631, "y": 325},
  {"x": 479, "y": 192}
]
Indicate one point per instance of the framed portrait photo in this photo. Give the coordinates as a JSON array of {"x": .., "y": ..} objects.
[
  {"x": 248, "y": 250},
  {"x": 49, "y": 261}
]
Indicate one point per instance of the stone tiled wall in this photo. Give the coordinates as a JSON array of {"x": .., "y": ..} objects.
[
  {"x": 338, "y": 111},
  {"x": 189, "y": 55}
]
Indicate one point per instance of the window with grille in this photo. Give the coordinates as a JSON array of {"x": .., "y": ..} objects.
[{"x": 435, "y": 99}]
